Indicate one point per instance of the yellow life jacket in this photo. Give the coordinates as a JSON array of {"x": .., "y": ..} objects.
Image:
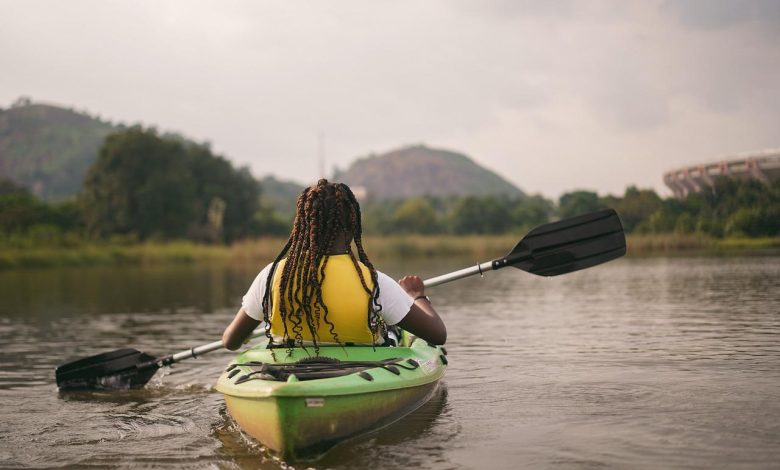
[{"x": 342, "y": 293}]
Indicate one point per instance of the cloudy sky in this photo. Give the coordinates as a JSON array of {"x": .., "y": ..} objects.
[{"x": 553, "y": 95}]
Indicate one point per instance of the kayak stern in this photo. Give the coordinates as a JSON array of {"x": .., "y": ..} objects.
[
  {"x": 298, "y": 417},
  {"x": 295, "y": 427}
]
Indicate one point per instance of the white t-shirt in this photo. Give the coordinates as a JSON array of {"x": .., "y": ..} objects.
[{"x": 393, "y": 298}]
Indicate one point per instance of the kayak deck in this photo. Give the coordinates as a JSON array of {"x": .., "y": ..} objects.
[{"x": 299, "y": 418}]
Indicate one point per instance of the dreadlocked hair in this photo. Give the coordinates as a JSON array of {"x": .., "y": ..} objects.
[{"x": 323, "y": 211}]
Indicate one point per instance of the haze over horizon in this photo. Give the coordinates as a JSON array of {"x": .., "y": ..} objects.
[{"x": 554, "y": 96}]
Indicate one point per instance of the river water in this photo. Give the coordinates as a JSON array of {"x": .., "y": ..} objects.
[{"x": 640, "y": 363}]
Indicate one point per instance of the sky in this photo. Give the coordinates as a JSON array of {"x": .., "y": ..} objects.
[{"x": 554, "y": 96}]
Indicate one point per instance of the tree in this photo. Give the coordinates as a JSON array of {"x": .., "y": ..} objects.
[
  {"x": 755, "y": 222},
  {"x": 636, "y": 206},
  {"x": 578, "y": 202},
  {"x": 415, "y": 215},
  {"x": 19, "y": 211},
  {"x": 532, "y": 211},
  {"x": 153, "y": 186},
  {"x": 488, "y": 214},
  {"x": 139, "y": 184},
  {"x": 8, "y": 186},
  {"x": 215, "y": 178}
]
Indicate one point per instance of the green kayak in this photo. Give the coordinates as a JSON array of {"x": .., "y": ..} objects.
[{"x": 300, "y": 406}]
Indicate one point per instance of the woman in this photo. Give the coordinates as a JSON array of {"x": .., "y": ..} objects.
[{"x": 316, "y": 291}]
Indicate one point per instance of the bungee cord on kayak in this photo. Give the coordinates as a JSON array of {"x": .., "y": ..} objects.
[{"x": 317, "y": 368}]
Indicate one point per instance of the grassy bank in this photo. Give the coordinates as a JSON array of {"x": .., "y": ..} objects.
[
  {"x": 693, "y": 244},
  {"x": 106, "y": 255},
  {"x": 261, "y": 250},
  {"x": 245, "y": 252}
]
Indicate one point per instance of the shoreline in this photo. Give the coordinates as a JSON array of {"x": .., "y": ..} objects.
[{"x": 265, "y": 249}]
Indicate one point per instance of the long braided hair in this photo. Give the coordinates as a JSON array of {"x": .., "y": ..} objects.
[{"x": 324, "y": 211}]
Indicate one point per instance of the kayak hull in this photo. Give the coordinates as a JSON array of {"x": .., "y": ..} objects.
[
  {"x": 290, "y": 428},
  {"x": 299, "y": 419}
]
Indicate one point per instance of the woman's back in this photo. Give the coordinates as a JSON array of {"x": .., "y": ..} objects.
[{"x": 343, "y": 315}]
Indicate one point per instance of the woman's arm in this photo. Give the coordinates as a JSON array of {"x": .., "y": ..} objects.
[
  {"x": 422, "y": 320},
  {"x": 239, "y": 330},
  {"x": 243, "y": 324}
]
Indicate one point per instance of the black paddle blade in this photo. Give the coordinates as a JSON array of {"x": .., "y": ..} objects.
[
  {"x": 120, "y": 369},
  {"x": 569, "y": 245}
]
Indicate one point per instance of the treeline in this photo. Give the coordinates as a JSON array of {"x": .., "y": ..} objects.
[
  {"x": 733, "y": 207},
  {"x": 146, "y": 186},
  {"x": 459, "y": 215},
  {"x": 25, "y": 220}
]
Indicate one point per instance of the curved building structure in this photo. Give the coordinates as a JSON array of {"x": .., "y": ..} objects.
[{"x": 763, "y": 166}]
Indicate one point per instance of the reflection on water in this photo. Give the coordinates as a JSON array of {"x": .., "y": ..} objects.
[
  {"x": 641, "y": 362},
  {"x": 80, "y": 291}
]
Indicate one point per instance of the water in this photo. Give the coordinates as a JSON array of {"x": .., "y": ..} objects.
[{"x": 641, "y": 363}]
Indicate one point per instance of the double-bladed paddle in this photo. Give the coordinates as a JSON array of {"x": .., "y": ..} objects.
[{"x": 548, "y": 250}]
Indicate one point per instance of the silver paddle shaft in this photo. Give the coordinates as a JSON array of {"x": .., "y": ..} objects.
[
  {"x": 206, "y": 348},
  {"x": 460, "y": 274}
]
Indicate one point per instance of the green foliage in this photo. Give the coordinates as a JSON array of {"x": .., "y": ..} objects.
[
  {"x": 267, "y": 221},
  {"x": 754, "y": 222},
  {"x": 8, "y": 187},
  {"x": 481, "y": 215},
  {"x": 415, "y": 215},
  {"x": 162, "y": 187},
  {"x": 48, "y": 148},
  {"x": 531, "y": 211},
  {"x": 733, "y": 207},
  {"x": 21, "y": 211},
  {"x": 579, "y": 202},
  {"x": 462, "y": 215},
  {"x": 684, "y": 223},
  {"x": 377, "y": 216},
  {"x": 635, "y": 207},
  {"x": 280, "y": 195}
]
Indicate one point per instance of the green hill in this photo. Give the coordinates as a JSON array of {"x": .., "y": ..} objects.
[
  {"x": 47, "y": 148},
  {"x": 279, "y": 194},
  {"x": 419, "y": 171}
]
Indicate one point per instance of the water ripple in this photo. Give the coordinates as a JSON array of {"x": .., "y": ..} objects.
[{"x": 653, "y": 363}]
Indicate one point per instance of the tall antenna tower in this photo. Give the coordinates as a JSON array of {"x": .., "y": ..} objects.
[{"x": 321, "y": 154}]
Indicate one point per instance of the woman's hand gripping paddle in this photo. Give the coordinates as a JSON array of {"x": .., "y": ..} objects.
[{"x": 548, "y": 250}]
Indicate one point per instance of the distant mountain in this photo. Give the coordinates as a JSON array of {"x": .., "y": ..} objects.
[
  {"x": 47, "y": 148},
  {"x": 419, "y": 170},
  {"x": 280, "y": 195}
]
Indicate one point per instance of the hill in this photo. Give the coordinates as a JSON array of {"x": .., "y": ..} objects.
[
  {"x": 48, "y": 148},
  {"x": 279, "y": 194},
  {"x": 419, "y": 171}
]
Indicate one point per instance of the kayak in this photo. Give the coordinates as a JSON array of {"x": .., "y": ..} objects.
[{"x": 299, "y": 406}]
